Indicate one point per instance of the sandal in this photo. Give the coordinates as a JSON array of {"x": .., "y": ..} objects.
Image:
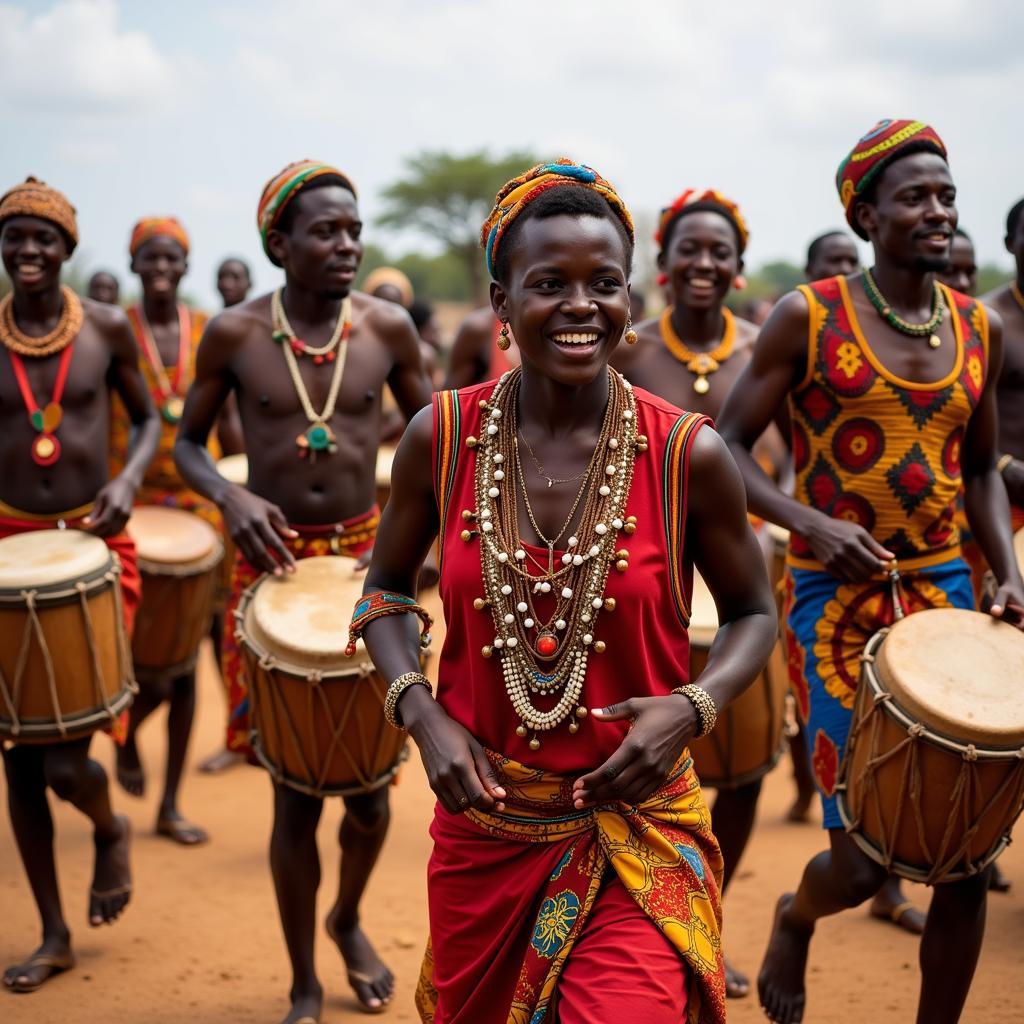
[
  {"x": 57, "y": 964},
  {"x": 357, "y": 977},
  {"x": 181, "y": 831}
]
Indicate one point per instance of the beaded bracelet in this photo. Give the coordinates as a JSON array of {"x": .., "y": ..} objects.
[
  {"x": 1003, "y": 463},
  {"x": 704, "y": 703},
  {"x": 395, "y": 691},
  {"x": 379, "y": 604}
]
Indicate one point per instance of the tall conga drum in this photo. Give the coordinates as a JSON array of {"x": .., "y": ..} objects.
[
  {"x": 385, "y": 460},
  {"x": 748, "y": 739},
  {"x": 65, "y": 669},
  {"x": 318, "y": 716},
  {"x": 933, "y": 776},
  {"x": 179, "y": 554}
]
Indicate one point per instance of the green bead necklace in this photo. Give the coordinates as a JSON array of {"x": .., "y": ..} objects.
[{"x": 885, "y": 311}]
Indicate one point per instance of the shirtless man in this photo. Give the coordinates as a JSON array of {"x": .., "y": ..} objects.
[
  {"x": 961, "y": 273},
  {"x": 61, "y": 474},
  {"x": 859, "y": 442},
  {"x": 305, "y": 480},
  {"x": 477, "y": 354},
  {"x": 104, "y": 287}
]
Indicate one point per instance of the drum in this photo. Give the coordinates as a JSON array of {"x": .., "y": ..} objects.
[
  {"x": 748, "y": 739},
  {"x": 779, "y": 537},
  {"x": 178, "y": 558},
  {"x": 385, "y": 459},
  {"x": 318, "y": 716},
  {"x": 234, "y": 468},
  {"x": 933, "y": 777},
  {"x": 65, "y": 670}
]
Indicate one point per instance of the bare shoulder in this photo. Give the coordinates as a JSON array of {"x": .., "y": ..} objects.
[
  {"x": 746, "y": 336},
  {"x": 999, "y": 299},
  {"x": 107, "y": 320},
  {"x": 711, "y": 464},
  {"x": 783, "y": 336},
  {"x": 234, "y": 326},
  {"x": 476, "y": 328},
  {"x": 648, "y": 337}
]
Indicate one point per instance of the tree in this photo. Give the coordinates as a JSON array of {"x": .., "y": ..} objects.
[{"x": 447, "y": 197}]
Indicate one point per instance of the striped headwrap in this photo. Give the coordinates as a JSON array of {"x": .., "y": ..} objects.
[
  {"x": 283, "y": 187},
  {"x": 157, "y": 227},
  {"x": 517, "y": 194},
  {"x": 707, "y": 198},
  {"x": 34, "y": 198},
  {"x": 886, "y": 142}
]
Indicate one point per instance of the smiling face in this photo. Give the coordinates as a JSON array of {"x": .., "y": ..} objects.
[
  {"x": 161, "y": 263},
  {"x": 565, "y": 294},
  {"x": 319, "y": 241},
  {"x": 913, "y": 214},
  {"x": 701, "y": 258},
  {"x": 33, "y": 252}
]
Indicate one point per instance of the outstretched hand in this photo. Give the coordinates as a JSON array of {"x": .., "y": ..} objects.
[
  {"x": 259, "y": 528},
  {"x": 662, "y": 726},
  {"x": 847, "y": 550}
]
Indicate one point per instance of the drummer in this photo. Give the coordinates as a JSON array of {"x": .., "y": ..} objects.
[
  {"x": 167, "y": 334},
  {"x": 310, "y": 492},
  {"x": 59, "y": 474},
  {"x": 690, "y": 355},
  {"x": 893, "y": 406}
]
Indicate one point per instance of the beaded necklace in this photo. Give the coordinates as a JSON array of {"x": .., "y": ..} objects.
[
  {"x": 170, "y": 399},
  {"x": 283, "y": 331},
  {"x": 885, "y": 311},
  {"x": 1017, "y": 294},
  {"x": 549, "y": 658},
  {"x": 702, "y": 364},
  {"x": 317, "y": 438},
  {"x": 69, "y": 324}
]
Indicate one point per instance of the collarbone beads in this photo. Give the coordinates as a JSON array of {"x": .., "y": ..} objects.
[
  {"x": 926, "y": 330},
  {"x": 700, "y": 364},
  {"x": 547, "y": 656}
]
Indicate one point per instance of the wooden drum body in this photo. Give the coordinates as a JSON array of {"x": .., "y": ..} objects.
[
  {"x": 178, "y": 558},
  {"x": 318, "y": 716},
  {"x": 933, "y": 776},
  {"x": 748, "y": 740},
  {"x": 234, "y": 469},
  {"x": 65, "y": 670}
]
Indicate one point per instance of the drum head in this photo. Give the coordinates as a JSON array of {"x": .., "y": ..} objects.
[
  {"x": 47, "y": 557},
  {"x": 703, "y": 614},
  {"x": 1018, "y": 548},
  {"x": 960, "y": 672},
  {"x": 234, "y": 468},
  {"x": 779, "y": 536},
  {"x": 385, "y": 459},
  {"x": 302, "y": 618},
  {"x": 170, "y": 536}
]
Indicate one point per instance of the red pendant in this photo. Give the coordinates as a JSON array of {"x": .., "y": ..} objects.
[
  {"x": 45, "y": 450},
  {"x": 546, "y": 644}
]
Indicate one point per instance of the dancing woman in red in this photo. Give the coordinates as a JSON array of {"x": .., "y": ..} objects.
[{"x": 574, "y": 875}]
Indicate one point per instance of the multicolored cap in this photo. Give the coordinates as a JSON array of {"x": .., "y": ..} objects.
[
  {"x": 157, "y": 227},
  {"x": 283, "y": 187},
  {"x": 886, "y": 142},
  {"x": 707, "y": 197},
  {"x": 517, "y": 194},
  {"x": 34, "y": 198}
]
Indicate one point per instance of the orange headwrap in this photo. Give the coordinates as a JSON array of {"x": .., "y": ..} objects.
[
  {"x": 392, "y": 276},
  {"x": 155, "y": 227},
  {"x": 708, "y": 198},
  {"x": 34, "y": 198}
]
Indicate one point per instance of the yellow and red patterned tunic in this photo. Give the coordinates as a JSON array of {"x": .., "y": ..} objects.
[{"x": 878, "y": 450}]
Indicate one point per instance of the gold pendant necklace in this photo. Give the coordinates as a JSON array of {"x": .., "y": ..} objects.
[{"x": 701, "y": 364}]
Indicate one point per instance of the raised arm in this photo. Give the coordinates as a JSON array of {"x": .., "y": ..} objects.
[
  {"x": 114, "y": 502},
  {"x": 985, "y": 498},
  {"x": 778, "y": 365}
]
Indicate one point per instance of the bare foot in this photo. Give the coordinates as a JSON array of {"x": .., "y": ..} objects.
[
  {"x": 737, "y": 984},
  {"x": 890, "y": 904},
  {"x": 997, "y": 881},
  {"x": 112, "y": 882},
  {"x": 172, "y": 825},
  {"x": 221, "y": 761},
  {"x": 305, "y": 1008},
  {"x": 129, "y": 769},
  {"x": 370, "y": 978},
  {"x": 781, "y": 981},
  {"x": 52, "y": 957}
]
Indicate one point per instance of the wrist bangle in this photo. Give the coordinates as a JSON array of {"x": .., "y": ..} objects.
[
  {"x": 1003, "y": 462},
  {"x": 704, "y": 704},
  {"x": 395, "y": 691}
]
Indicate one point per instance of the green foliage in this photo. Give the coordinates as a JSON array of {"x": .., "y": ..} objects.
[
  {"x": 990, "y": 276},
  {"x": 447, "y": 197}
]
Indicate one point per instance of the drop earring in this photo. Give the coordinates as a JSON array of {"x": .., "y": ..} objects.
[
  {"x": 739, "y": 282},
  {"x": 504, "y": 341},
  {"x": 630, "y": 334}
]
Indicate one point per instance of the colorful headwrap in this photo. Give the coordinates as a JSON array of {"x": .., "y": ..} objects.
[
  {"x": 883, "y": 144},
  {"x": 157, "y": 227},
  {"x": 706, "y": 197},
  {"x": 515, "y": 196},
  {"x": 392, "y": 276},
  {"x": 34, "y": 198},
  {"x": 283, "y": 187}
]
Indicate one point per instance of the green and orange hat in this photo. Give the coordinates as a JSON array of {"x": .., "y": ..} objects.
[{"x": 886, "y": 142}]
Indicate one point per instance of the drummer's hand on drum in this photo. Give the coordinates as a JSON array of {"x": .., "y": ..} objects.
[
  {"x": 1008, "y": 605},
  {"x": 257, "y": 526},
  {"x": 457, "y": 767},
  {"x": 662, "y": 726},
  {"x": 111, "y": 509},
  {"x": 846, "y": 549}
]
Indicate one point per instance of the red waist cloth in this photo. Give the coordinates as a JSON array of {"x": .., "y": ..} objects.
[{"x": 350, "y": 537}]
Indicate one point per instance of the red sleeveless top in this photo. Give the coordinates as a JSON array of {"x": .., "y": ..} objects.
[
  {"x": 647, "y": 652},
  {"x": 874, "y": 448}
]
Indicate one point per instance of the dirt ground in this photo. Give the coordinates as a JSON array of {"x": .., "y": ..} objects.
[{"x": 200, "y": 942}]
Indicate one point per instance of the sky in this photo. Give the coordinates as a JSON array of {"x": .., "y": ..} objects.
[{"x": 187, "y": 108}]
